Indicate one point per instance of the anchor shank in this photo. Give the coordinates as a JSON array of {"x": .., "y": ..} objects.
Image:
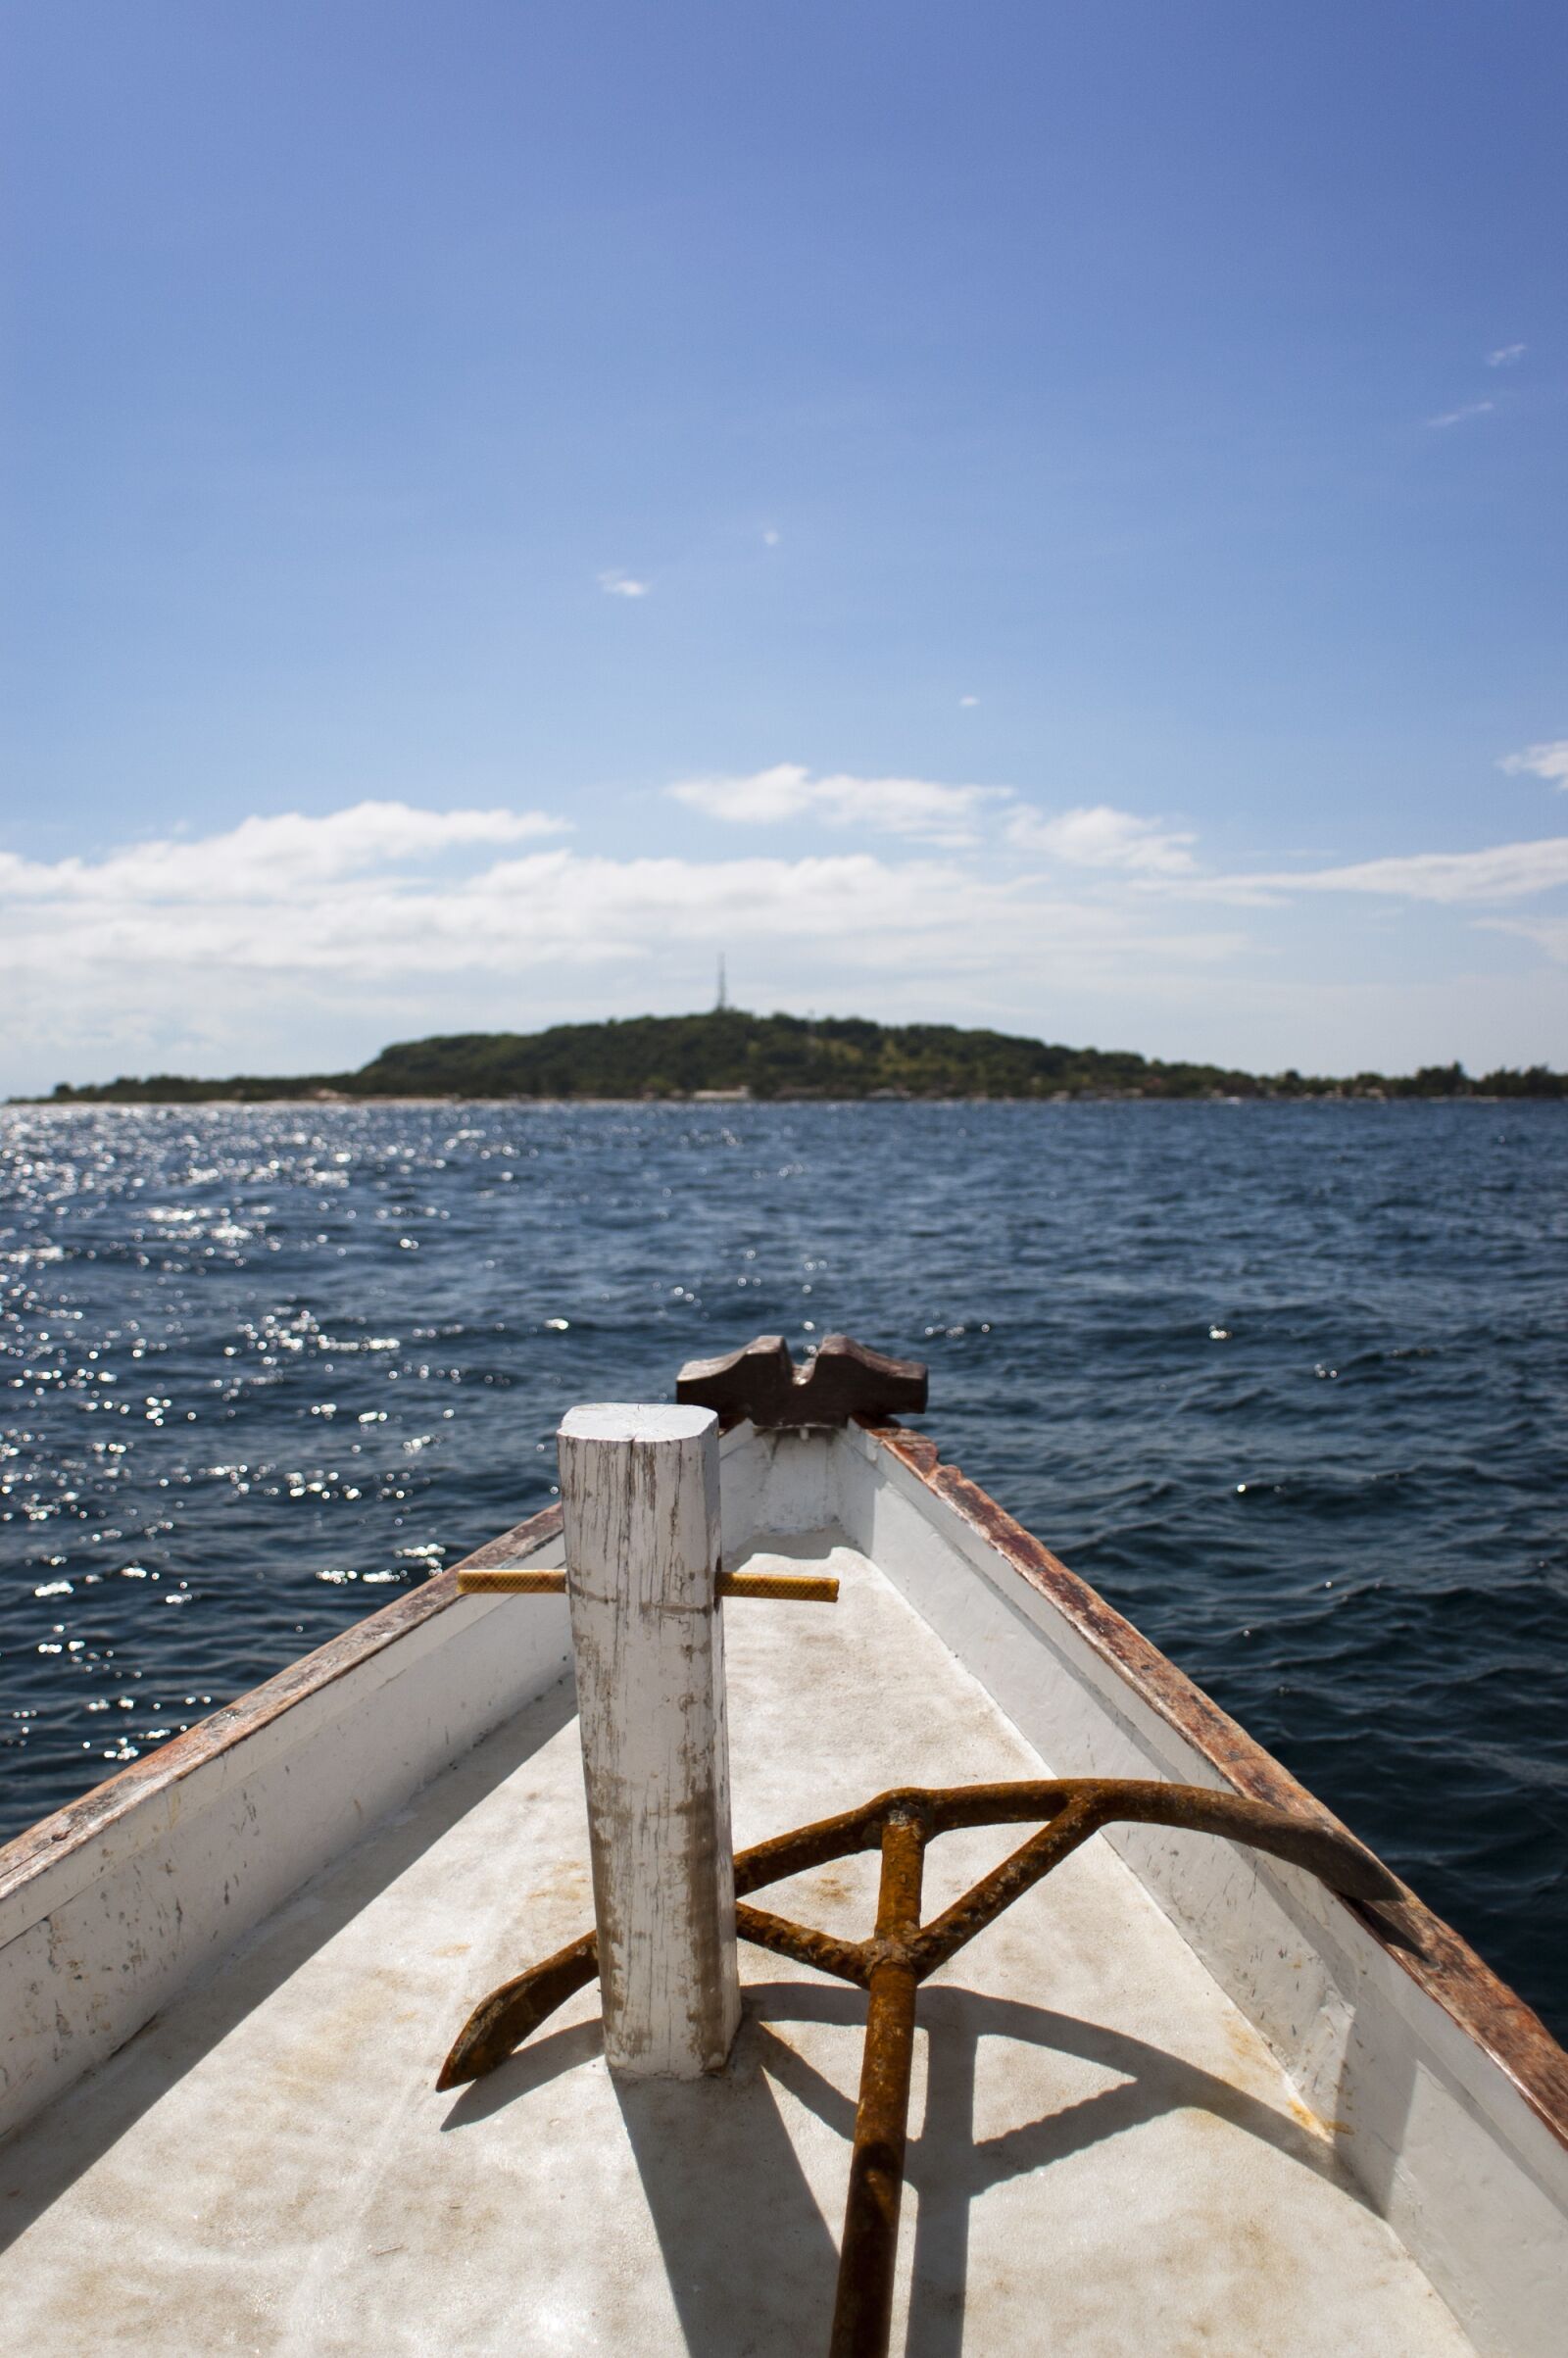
[{"x": 862, "y": 2314}]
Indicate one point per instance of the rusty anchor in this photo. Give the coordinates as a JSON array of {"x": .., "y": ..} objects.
[{"x": 902, "y": 1953}]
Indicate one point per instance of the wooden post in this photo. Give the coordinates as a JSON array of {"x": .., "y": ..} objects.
[{"x": 639, "y": 1486}]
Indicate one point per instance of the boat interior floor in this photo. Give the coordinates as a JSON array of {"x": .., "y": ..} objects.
[{"x": 1105, "y": 2158}]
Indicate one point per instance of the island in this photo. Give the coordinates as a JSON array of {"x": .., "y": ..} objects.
[{"x": 728, "y": 1053}]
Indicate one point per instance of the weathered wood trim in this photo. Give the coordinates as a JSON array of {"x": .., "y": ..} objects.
[
  {"x": 41, "y": 1849},
  {"x": 1434, "y": 1957}
]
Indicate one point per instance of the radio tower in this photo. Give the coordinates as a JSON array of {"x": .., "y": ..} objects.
[{"x": 722, "y": 1001}]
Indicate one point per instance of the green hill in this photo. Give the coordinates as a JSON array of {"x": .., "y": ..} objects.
[
  {"x": 784, "y": 1056},
  {"x": 767, "y": 1056}
]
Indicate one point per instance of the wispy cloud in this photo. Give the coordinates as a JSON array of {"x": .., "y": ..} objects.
[
  {"x": 1116, "y": 857},
  {"x": 1098, "y": 835},
  {"x": 622, "y": 585},
  {"x": 1506, "y": 355},
  {"x": 1550, "y": 934},
  {"x": 771, "y": 538},
  {"x": 920, "y": 807},
  {"x": 1468, "y": 409},
  {"x": 263, "y": 858},
  {"x": 967, "y": 703},
  {"x": 1550, "y": 761},
  {"x": 1503, "y": 871},
  {"x": 953, "y": 817}
]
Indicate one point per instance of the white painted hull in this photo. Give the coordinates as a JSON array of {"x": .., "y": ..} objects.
[{"x": 1182, "y": 2098}]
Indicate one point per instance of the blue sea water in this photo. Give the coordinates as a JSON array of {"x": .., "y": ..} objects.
[{"x": 1287, "y": 1382}]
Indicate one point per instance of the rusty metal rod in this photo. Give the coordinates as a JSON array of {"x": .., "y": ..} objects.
[
  {"x": 504, "y": 2019},
  {"x": 1074, "y": 1808},
  {"x": 512, "y": 1580},
  {"x": 1327, "y": 1851},
  {"x": 786, "y": 1854},
  {"x": 777, "y": 1588},
  {"x": 804, "y": 1942},
  {"x": 986, "y": 1899},
  {"x": 782, "y": 1588},
  {"x": 863, "y": 2310}
]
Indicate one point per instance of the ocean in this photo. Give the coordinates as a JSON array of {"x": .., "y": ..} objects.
[{"x": 1286, "y": 1383}]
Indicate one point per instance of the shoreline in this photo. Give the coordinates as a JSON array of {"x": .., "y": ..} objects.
[{"x": 724, "y": 1101}]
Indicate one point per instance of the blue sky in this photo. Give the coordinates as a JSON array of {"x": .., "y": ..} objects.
[{"x": 1048, "y": 516}]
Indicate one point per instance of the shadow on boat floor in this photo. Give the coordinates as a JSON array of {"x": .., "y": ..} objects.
[
  {"x": 92, "y": 2117},
  {"x": 733, "y": 2210}
]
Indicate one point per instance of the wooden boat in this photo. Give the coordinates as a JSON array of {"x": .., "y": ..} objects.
[{"x": 1215, "y": 2084}]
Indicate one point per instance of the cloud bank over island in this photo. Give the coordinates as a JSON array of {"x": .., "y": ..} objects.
[{"x": 888, "y": 895}]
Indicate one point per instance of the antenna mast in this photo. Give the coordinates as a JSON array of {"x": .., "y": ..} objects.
[{"x": 722, "y": 1001}]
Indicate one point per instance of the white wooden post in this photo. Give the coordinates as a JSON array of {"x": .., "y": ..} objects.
[{"x": 639, "y": 1486}]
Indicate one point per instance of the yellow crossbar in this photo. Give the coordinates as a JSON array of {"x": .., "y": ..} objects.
[{"x": 780, "y": 1588}]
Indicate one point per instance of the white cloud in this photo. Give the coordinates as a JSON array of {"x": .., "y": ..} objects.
[
  {"x": 1506, "y": 355},
  {"x": 1468, "y": 409},
  {"x": 261, "y": 858},
  {"x": 272, "y": 945},
  {"x": 1549, "y": 761},
  {"x": 1098, "y": 835},
  {"x": 771, "y": 538},
  {"x": 622, "y": 585},
  {"x": 966, "y": 701},
  {"x": 1505, "y": 872},
  {"x": 920, "y": 807}
]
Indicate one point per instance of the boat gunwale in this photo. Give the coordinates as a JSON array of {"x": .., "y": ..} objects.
[
  {"x": 1433, "y": 1956},
  {"x": 68, "y": 1829}
]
